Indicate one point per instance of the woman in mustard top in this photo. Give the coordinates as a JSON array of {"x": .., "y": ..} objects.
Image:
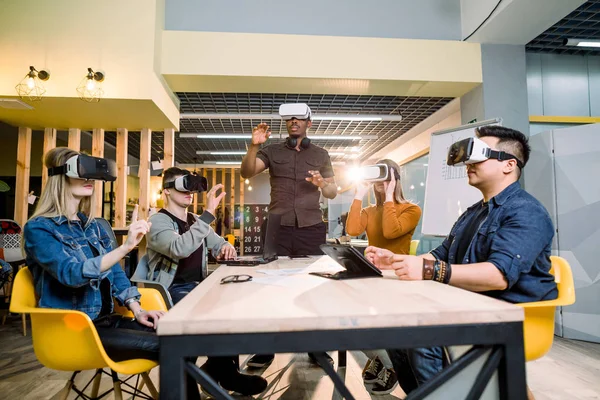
[{"x": 390, "y": 225}]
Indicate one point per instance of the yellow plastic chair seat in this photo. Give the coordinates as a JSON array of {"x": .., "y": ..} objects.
[
  {"x": 67, "y": 340},
  {"x": 538, "y": 326}
]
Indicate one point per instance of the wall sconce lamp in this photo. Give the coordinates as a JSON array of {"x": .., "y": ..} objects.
[
  {"x": 90, "y": 89},
  {"x": 31, "y": 87}
]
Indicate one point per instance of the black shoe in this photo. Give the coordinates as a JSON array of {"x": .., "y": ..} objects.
[
  {"x": 230, "y": 379},
  {"x": 313, "y": 359},
  {"x": 372, "y": 369},
  {"x": 385, "y": 384},
  {"x": 247, "y": 385},
  {"x": 260, "y": 360}
]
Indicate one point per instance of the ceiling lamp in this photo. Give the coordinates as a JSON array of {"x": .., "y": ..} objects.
[
  {"x": 31, "y": 87},
  {"x": 90, "y": 88},
  {"x": 582, "y": 42}
]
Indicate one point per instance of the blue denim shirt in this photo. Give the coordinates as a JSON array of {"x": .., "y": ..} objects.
[
  {"x": 65, "y": 271},
  {"x": 516, "y": 237}
]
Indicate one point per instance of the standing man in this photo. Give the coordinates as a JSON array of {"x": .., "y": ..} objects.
[{"x": 300, "y": 172}]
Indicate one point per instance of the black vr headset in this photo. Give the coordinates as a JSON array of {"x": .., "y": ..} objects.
[
  {"x": 188, "y": 183},
  {"x": 474, "y": 150},
  {"x": 82, "y": 166}
]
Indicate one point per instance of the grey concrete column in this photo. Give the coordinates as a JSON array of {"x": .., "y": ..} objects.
[{"x": 503, "y": 93}]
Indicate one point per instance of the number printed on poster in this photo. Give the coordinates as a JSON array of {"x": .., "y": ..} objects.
[{"x": 254, "y": 216}]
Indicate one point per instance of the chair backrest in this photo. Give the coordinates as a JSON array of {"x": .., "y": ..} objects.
[
  {"x": 538, "y": 326},
  {"x": 141, "y": 271},
  {"x": 23, "y": 298},
  {"x": 563, "y": 275},
  {"x": 106, "y": 225},
  {"x": 62, "y": 339},
  {"x": 414, "y": 244},
  {"x": 10, "y": 241}
]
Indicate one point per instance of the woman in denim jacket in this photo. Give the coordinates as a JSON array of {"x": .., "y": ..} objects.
[{"x": 75, "y": 268}]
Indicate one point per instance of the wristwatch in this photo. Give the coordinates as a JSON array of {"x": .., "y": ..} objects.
[{"x": 428, "y": 269}]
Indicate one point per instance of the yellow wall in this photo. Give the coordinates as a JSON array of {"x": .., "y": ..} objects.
[
  {"x": 66, "y": 37},
  {"x": 208, "y": 61}
]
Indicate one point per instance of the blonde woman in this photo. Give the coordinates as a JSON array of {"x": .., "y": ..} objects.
[
  {"x": 389, "y": 224},
  {"x": 75, "y": 267}
]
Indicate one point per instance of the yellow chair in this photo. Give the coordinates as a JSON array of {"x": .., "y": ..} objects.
[
  {"x": 538, "y": 327},
  {"x": 414, "y": 244},
  {"x": 67, "y": 340},
  {"x": 230, "y": 238}
]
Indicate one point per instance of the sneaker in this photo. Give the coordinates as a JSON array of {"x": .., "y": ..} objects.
[
  {"x": 313, "y": 359},
  {"x": 372, "y": 368},
  {"x": 260, "y": 360},
  {"x": 232, "y": 380},
  {"x": 385, "y": 384}
]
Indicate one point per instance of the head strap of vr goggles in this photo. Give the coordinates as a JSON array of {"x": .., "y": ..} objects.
[{"x": 502, "y": 156}]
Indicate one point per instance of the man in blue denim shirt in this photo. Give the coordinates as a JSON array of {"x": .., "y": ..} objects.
[{"x": 499, "y": 247}]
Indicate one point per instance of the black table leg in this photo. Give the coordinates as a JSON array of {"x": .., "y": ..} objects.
[
  {"x": 342, "y": 358},
  {"x": 172, "y": 370},
  {"x": 511, "y": 375}
]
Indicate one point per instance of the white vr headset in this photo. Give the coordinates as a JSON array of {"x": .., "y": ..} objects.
[
  {"x": 474, "y": 150},
  {"x": 295, "y": 110}
]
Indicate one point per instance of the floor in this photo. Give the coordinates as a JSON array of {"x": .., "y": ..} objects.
[{"x": 570, "y": 371}]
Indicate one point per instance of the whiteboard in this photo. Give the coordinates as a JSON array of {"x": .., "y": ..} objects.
[{"x": 448, "y": 193}]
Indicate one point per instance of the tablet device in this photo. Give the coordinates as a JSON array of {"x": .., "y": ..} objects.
[{"x": 355, "y": 264}]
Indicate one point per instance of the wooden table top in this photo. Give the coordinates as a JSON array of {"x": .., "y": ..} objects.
[{"x": 302, "y": 302}]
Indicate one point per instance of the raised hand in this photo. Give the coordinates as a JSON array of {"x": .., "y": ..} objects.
[
  {"x": 390, "y": 187},
  {"x": 136, "y": 232},
  {"x": 360, "y": 190},
  {"x": 212, "y": 200},
  {"x": 260, "y": 133}
]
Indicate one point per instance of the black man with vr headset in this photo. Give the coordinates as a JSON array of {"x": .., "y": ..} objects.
[{"x": 300, "y": 172}]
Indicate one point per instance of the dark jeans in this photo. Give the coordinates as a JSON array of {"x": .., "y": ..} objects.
[
  {"x": 124, "y": 338},
  {"x": 295, "y": 241},
  {"x": 414, "y": 367}
]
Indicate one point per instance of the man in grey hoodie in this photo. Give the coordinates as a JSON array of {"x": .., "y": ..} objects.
[{"x": 178, "y": 242}]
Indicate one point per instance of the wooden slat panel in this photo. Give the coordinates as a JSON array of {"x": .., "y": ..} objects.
[
  {"x": 204, "y": 174},
  {"x": 242, "y": 187},
  {"x": 144, "y": 175},
  {"x": 49, "y": 144},
  {"x": 98, "y": 151},
  {"x": 195, "y": 206},
  {"x": 121, "y": 182},
  {"x": 232, "y": 199},
  {"x": 223, "y": 180},
  {"x": 23, "y": 169},
  {"x": 169, "y": 152},
  {"x": 74, "y": 139}
]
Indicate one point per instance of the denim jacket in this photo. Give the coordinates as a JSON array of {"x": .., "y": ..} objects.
[
  {"x": 65, "y": 271},
  {"x": 516, "y": 237}
]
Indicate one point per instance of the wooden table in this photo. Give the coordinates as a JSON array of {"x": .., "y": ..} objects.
[{"x": 306, "y": 313}]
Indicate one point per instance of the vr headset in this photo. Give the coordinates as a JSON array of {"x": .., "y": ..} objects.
[
  {"x": 295, "y": 110},
  {"x": 87, "y": 167},
  {"x": 474, "y": 150},
  {"x": 188, "y": 183},
  {"x": 374, "y": 173}
]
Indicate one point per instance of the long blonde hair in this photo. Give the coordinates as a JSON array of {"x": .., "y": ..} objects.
[
  {"x": 57, "y": 192},
  {"x": 398, "y": 193}
]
